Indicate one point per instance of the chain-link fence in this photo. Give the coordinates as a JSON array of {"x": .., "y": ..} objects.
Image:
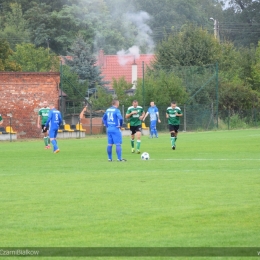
[{"x": 194, "y": 119}]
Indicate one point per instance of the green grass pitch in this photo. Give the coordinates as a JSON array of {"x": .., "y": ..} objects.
[{"x": 206, "y": 193}]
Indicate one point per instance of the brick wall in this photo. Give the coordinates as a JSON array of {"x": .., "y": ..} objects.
[
  {"x": 97, "y": 125},
  {"x": 21, "y": 94}
]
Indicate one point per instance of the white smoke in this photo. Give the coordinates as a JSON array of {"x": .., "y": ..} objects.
[
  {"x": 125, "y": 56},
  {"x": 142, "y": 37}
]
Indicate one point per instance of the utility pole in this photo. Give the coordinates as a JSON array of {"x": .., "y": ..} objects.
[{"x": 216, "y": 28}]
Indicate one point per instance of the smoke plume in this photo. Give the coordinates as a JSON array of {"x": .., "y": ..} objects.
[{"x": 142, "y": 37}]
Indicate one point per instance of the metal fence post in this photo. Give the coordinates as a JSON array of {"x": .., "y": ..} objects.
[
  {"x": 123, "y": 113},
  {"x": 90, "y": 117},
  {"x": 79, "y": 128},
  {"x": 217, "y": 92},
  {"x": 184, "y": 119},
  {"x": 228, "y": 118},
  {"x": 10, "y": 123},
  {"x": 255, "y": 116},
  {"x": 61, "y": 86}
]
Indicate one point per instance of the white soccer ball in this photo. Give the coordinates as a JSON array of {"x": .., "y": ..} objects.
[{"x": 145, "y": 156}]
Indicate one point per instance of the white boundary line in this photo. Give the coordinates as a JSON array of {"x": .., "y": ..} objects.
[{"x": 201, "y": 159}]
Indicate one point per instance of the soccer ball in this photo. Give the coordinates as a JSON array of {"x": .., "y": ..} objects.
[{"x": 145, "y": 156}]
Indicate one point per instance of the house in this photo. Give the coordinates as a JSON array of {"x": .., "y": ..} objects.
[
  {"x": 117, "y": 66},
  {"x": 129, "y": 66}
]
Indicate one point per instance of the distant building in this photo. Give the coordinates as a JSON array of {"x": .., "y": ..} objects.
[
  {"x": 129, "y": 66},
  {"x": 115, "y": 66}
]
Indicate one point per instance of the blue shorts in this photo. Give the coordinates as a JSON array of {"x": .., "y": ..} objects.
[
  {"x": 153, "y": 124},
  {"x": 53, "y": 133},
  {"x": 114, "y": 136}
]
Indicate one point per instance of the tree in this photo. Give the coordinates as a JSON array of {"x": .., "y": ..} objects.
[
  {"x": 83, "y": 63},
  {"x": 240, "y": 65},
  {"x": 229, "y": 65},
  {"x": 246, "y": 59},
  {"x": 241, "y": 22},
  {"x": 193, "y": 46},
  {"x": 74, "y": 90},
  {"x": 96, "y": 25},
  {"x": 69, "y": 22},
  {"x": 55, "y": 5},
  {"x": 40, "y": 24},
  {"x": 35, "y": 59},
  {"x": 5, "y": 53},
  {"x": 120, "y": 87},
  {"x": 256, "y": 70},
  {"x": 191, "y": 55},
  {"x": 162, "y": 88},
  {"x": 58, "y": 28},
  {"x": 101, "y": 100},
  {"x": 15, "y": 26},
  {"x": 237, "y": 97},
  {"x": 169, "y": 16},
  {"x": 15, "y": 17}
]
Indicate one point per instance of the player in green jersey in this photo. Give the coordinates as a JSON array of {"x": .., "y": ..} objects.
[
  {"x": 42, "y": 119},
  {"x": 1, "y": 119},
  {"x": 173, "y": 113},
  {"x": 135, "y": 114}
]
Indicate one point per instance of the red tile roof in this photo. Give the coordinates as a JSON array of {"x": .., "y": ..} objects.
[{"x": 114, "y": 66}]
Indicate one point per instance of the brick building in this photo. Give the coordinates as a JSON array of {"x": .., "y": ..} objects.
[{"x": 21, "y": 94}]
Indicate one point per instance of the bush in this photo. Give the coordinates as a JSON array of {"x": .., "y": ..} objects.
[{"x": 237, "y": 122}]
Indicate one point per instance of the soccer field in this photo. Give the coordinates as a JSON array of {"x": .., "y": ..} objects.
[{"x": 204, "y": 194}]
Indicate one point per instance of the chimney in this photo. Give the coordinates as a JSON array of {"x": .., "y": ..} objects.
[{"x": 134, "y": 74}]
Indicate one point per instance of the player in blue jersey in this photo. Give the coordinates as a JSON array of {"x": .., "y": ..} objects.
[
  {"x": 54, "y": 121},
  {"x": 113, "y": 121},
  {"x": 154, "y": 116}
]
